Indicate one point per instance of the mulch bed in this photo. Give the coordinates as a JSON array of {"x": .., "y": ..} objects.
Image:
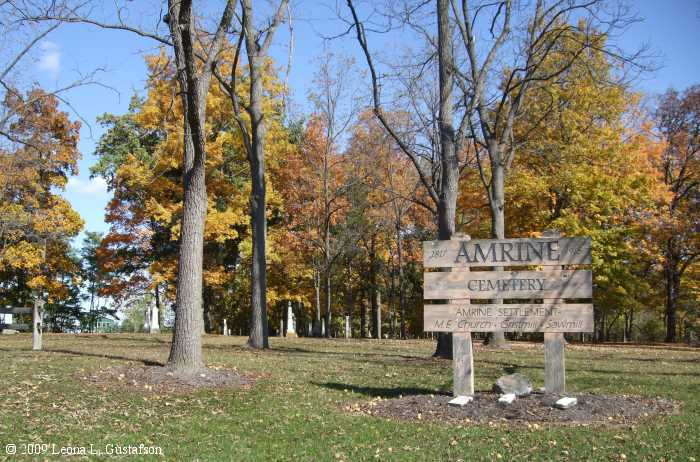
[
  {"x": 163, "y": 380},
  {"x": 536, "y": 409}
]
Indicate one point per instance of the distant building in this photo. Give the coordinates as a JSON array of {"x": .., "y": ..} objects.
[{"x": 105, "y": 324}]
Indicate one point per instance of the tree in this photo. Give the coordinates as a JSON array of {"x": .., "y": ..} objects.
[
  {"x": 257, "y": 44},
  {"x": 194, "y": 64},
  {"x": 496, "y": 77},
  {"x": 678, "y": 122},
  {"x": 93, "y": 276},
  {"x": 442, "y": 180},
  {"x": 36, "y": 223},
  {"x": 392, "y": 190}
]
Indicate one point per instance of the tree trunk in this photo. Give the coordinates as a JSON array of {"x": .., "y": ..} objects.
[
  {"x": 373, "y": 263},
  {"x": 256, "y": 158},
  {"x": 497, "y": 205},
  {"x": 258, "y": 325},
  {"x": 158, "y": 307},
  {"x": 186, "y": 348},
  {"x": 673, "y": 285},
  {"x": 206, "y": 310},
  {"x": 316, "y": 330},
  {"x": 402, "y": 294},
  {"x": 448, "y": 157},
  {"x": 363, "y": 317},
  {"x": 328, "y": 302}
]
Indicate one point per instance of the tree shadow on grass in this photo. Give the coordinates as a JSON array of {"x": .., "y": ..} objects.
[
  {"x": 383, "y": 392},
  {"x": 146, "y": 362},
  {"x": 387, "y": 355}
]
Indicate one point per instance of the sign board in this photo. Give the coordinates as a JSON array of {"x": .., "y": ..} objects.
[
  {"x": 543, "y": 317},
  {"x": 463, "y": 279},
  {"x": 552, "y": 251},
  {"x": 507, "y": 284}
]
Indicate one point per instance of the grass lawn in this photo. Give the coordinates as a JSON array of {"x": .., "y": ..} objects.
[{"x": 294, "y": 411}]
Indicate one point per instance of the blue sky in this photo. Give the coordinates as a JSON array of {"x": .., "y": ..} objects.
[{"x": 669, "y": 27}]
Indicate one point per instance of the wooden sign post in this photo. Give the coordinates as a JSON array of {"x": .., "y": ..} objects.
[
  {"x": 554, "y": 344},
  {"x": 543, "y": 278},
  {"x": 462, "y": 351}
]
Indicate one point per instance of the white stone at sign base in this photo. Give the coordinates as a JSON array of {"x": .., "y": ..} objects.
[
  {"x": 461, "y": 401},
  {"x": 566, "y": 403},
  {"x": 508, "y": 398}
]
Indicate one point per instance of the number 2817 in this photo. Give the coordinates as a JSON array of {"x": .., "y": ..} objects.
[{"x": 437, "y": 253}]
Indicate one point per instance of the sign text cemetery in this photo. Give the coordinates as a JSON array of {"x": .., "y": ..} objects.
[{"x": 508, "y": 285}]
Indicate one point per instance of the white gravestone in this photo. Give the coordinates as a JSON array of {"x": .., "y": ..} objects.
[
  {"x": 348, "y": 334},
  {"x": 225, "y": 328},
  {"x": 154, "y": 325},
  {"x": 291, "y": 321}
]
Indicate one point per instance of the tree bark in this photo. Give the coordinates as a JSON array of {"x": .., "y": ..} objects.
[
  {"x": 186, "y": 348},
  {"x": 316, "y": 330},
  {"x": 448, "y": 157},
  {"x": 363, "y": 317},
  {"x": 673, "y": 285},
  {"x": 328, "y": 302},
  {"x": 402, "y": 288},
  {"x": 373, "y": 263},
  {"x": 498, "y": 231},
  {"x": 258, "y": 325}
]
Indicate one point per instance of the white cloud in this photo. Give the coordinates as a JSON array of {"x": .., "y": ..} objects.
[
  {"x": 93, "y": 186},
  {"x": 50, "y": 60}
]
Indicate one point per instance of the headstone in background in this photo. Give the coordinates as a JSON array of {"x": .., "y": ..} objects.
[
  {"x": 281, "y": 334},
  {"x": 154, "y": 325},
  {"x": 291, "y": 321},
  {"x": 348, "y": 334},
  {"x": 225, "y": 328}
]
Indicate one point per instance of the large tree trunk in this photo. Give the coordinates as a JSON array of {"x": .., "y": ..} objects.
[
  {"x": 186, "y": 348},
  {"x": 450, "y": 165},
  {"x": 498, "y": 224},
  {"x": 258, "y": 325}
]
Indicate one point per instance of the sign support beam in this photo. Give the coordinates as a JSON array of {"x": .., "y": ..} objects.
[
  {"x": 554, "y": 344},
  {"x": 462, "y": 351}
]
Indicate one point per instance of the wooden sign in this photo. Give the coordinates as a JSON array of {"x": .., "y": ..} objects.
[
  {"x": 543, "y": 317},
  {"x": 507, "y": 252},
  {"x": 508, "y": 284}
]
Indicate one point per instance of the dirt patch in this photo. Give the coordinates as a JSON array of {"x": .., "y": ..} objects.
[
  {"x": 537, "y": 408},
  {"x": 163, "y": 380}
]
